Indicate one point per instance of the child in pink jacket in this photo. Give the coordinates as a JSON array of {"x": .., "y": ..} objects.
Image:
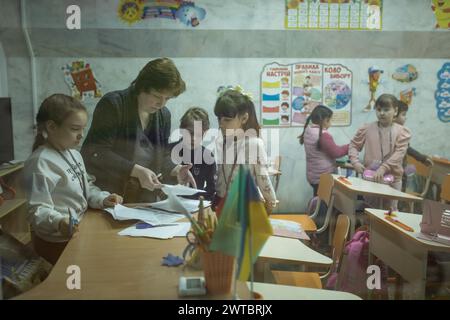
[
  {"x": 384, "y": 141},
  {"x": 320, "y": 149}
]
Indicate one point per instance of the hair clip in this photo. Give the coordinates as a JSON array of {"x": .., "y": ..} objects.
[{"x": 222, "y": 89}]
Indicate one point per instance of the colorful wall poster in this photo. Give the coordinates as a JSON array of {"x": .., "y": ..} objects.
[
  {"x": 289, "y": 93},
  {"x": 441, "y": 9},
  {"x": 442, "y": 94},
  {"x": 186, "y": 12},
  {"x": 333, "y": 14},
  {"x": 79, "y": 76}
]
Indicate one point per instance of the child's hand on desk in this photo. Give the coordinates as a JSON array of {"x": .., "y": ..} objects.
[
  {"x": 112, "y": 200},
  {"x": 379, "y": 174},
  {"x": 359, "y": 168}
]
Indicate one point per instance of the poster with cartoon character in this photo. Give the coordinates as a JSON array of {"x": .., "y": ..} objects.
[
  {"x": 276, "y": 95},
  {"x": 79, "y": 76},
  {"x": 186, "y": 12},
  {"x": 442, "y": 94},
  {"x": 289, "y": 93},
  {"x": 306, "y": 90},
  {"x": 337, "y": 93}
]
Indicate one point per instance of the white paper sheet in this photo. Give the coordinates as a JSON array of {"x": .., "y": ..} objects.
[
  {"x": 151, "y": 216},
  {"x": 159, "y": 232},
  {"x": 180, "y": 190}
]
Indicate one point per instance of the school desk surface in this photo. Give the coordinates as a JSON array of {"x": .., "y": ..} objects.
[
  {"x": 441, "y": 168},
  {"x": 346, "y": 195},
  {"x": 402, "y": 250},
  {"x": 116, "y": 267}
]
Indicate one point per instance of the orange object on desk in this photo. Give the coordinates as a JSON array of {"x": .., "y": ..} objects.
[
  {"x": 399, "y": 224},
  {"x": 344, "y": 180}
]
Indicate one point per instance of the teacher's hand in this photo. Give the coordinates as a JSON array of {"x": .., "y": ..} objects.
[
  {"x": 147, "y": 178},
  {"x": 184, "y": 176}
]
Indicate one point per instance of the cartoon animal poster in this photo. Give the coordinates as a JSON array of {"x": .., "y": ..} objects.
[
  {"x": 289, "y": 93},
  {"x": 441, "y": 9},
  {"x": 442, "y": 94},
  {"x": 81, "y": 79},
  {"x": 186, "y": 12}
]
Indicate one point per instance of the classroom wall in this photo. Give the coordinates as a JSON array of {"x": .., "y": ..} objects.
[{"x": 231, "y": 46}]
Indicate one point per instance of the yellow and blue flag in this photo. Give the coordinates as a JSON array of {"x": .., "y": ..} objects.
[{"x": 243, "y": 223}]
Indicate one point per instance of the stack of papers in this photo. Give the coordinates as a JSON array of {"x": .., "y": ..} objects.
[{"x": 151, "y": 216}]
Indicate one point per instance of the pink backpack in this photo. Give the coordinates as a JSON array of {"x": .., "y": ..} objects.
[{"x": 353, "y": 270}]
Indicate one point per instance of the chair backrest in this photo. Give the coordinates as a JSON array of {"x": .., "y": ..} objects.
[
  {"x": 421, "y": 169},
  {"x": 277, "y": 163},
  {"x": 325, "y": 187},
  {"x": 445, "y": 189},
  {"x": 340, "y": 237}
]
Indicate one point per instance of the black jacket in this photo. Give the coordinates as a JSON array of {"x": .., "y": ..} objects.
[{"x": 109, "y": 147}]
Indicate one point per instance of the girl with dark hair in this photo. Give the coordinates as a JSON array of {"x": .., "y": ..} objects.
[
  {"x": 385, "y": 143},
  {"x": 60, "y": 190},
  {"x": 240, "y": 144},
  {"x": 320, "y": 149},
  {"x": 127, "y": 145}
]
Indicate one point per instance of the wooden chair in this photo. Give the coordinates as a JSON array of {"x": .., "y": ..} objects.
[
  {"x": 423, "y": 171},
  {"x": 313, "y": 279},
  {"x": 445, "y": 189},
  {"x": 325, "y": 194}
]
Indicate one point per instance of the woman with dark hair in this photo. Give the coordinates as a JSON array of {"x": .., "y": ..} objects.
[{"x": 127, "y": 144}]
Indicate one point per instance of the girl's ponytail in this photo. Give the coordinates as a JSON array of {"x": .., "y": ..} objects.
[
  {"x": 39, "y": 140},
  {"x": 301, "y": 137}
]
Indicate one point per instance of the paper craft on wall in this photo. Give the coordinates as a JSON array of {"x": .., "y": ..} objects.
[
  {"x": 81, "y": 79},
  {"x": 374, "y": 79},
  {"x": 186, "y": 12},
  {"x": 333, "y": 14},
  {"x": 441, "y": 9},
  {"x": 289, "y": 93},
  {"x": 406, "y": 73},
  {"x": 442, "y": 94}
]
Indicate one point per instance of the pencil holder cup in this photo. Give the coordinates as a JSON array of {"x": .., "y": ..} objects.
[{"x": 218, "y": 269}]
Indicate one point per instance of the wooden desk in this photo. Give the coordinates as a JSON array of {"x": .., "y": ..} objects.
[
  {"x": 346, "y": 195},
  {"x": 287, "y": 251},
  {"x": 441, "y": 168},
  {"x": 115, "y": 267},
  {"x": 279, "y": 292},
  {"x": 402, "y": 250}
]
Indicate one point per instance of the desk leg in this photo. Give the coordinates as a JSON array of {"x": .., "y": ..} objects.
[{"x": 346, "y": 203}]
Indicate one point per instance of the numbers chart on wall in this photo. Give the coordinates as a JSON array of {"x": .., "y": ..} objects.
[{"x": 334, "y": 14}]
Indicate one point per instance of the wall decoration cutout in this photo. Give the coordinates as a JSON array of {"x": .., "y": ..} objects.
[
  {"x": 290, "y": 92},
  {"x": 333, "y": 14},
  {"x": 441, "y": 9},
  {"x": 442, "y": 94},
  {"x": 81, "y": 79},
  {"x": 407, "y": 94},
  {"x": 374, "y": 79},
  {"x": 186, "y": 12},
  {"x": 406, "y": 73}
]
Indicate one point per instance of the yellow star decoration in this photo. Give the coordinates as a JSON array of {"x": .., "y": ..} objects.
[{"x": 130, "y": 11}]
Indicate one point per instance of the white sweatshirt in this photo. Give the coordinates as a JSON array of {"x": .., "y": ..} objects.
[{"x": 53, "y": 187}]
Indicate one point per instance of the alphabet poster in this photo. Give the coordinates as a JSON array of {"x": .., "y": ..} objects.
[
  {"x": 289, "y": 93},
  {"x": 333, "y": 14}
]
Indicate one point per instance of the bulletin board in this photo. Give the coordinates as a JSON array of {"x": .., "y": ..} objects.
[
  {"x": 289, "y": 93},
  {"x": 334, "y": 14}
]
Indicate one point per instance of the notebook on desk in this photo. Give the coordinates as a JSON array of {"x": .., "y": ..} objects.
[{"x": 435, "y": 225}]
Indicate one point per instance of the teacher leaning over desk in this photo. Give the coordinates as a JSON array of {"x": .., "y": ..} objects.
[{"x": 126, "y": 147}]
